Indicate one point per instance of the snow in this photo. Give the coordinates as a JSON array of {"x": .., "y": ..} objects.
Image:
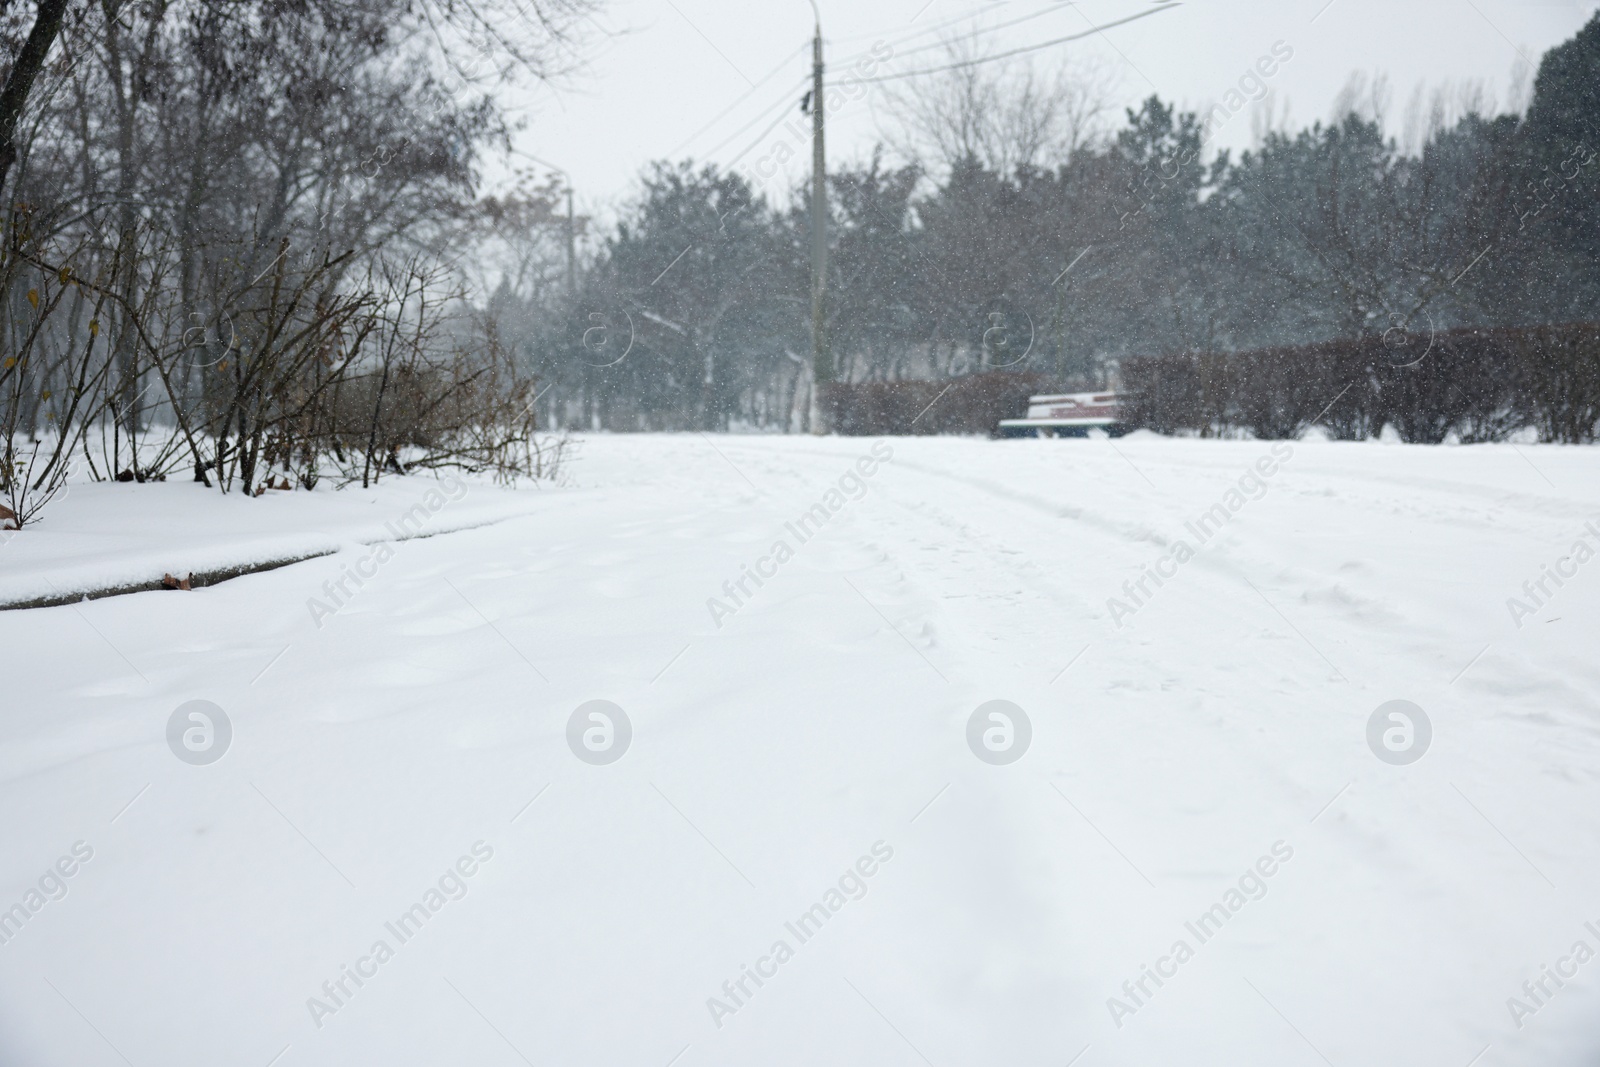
[
  {"x": 94, "y": 537},
  {"x": 1180, "y": 750}
]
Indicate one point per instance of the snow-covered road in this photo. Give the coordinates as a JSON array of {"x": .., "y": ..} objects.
[{"x": 799, "y": 858}]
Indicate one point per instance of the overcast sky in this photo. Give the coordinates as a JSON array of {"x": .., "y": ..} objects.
[{"x": 668, "y": 68}]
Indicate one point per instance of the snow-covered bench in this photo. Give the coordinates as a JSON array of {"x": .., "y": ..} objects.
[{"x": 1066, "y": 415}]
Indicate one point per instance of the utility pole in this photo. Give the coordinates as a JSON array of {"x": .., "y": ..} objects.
[
  {"x": 821, "y": 358},
  {"x": 572, "y": 248}
]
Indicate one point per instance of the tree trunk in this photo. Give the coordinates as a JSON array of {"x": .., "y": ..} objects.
[{"x": 14, "y": 97}]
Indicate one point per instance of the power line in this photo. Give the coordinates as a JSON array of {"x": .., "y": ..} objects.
[
  {"x": 975, "y": 32},
  {"x": 784, "y": 101},
  {"x": 758, "y": 140},
  {"x": 935, "y": 28},
  {"x": 1016, "y": 51},
  {"x": 742, "y": 98},
  {"x": 845, "y": 62}
]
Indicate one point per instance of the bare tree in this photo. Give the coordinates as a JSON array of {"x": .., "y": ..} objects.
[
  {"x": 1003, "y": 114},
  {"x": 26, "y": 63},
  {"x": 1367, "y": 96}
]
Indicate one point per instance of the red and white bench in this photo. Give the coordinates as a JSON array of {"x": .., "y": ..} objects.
[{"x": 1066, "y": 415}]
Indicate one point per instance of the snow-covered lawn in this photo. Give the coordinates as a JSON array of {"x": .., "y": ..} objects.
[{"x": 1198, "y": 859}]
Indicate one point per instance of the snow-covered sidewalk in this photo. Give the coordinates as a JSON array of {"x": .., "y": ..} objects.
[
  {"x": 418, "y": 845},
  {"x": 98, "y": 538}
]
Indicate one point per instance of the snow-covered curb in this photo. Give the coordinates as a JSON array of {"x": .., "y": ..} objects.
[
  {"x": 107, "y": 547},
  {"x": 207, "y": 574},
  {"x": 197, "y": 579}
]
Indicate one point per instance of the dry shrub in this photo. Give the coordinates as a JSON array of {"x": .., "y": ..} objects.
[
  {"x": 973, "y": 404},
  {"x": 1477, "y": 384}
]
